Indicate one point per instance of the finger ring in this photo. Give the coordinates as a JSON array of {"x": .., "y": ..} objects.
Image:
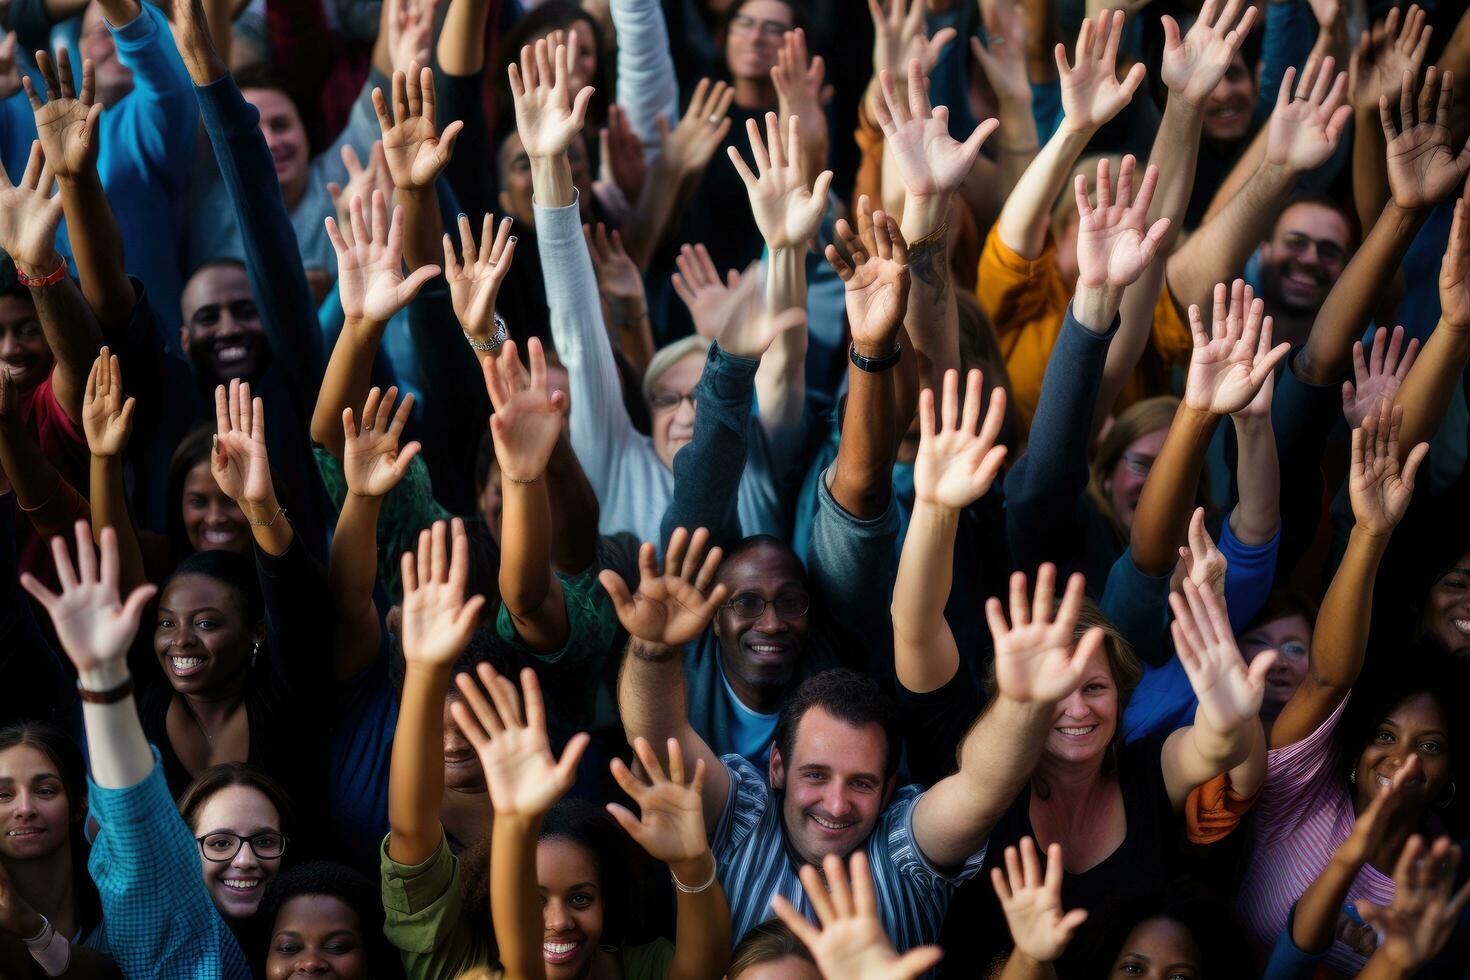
[
  {"x": 1300, "y": 98},
  {"x": 996, "y": 42},
  {"x": 715, "y": 119}
]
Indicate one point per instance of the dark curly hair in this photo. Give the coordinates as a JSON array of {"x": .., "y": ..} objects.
[{"x": 347, "y": 886}]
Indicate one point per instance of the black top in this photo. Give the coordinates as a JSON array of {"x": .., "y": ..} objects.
[{"x": 975, "y": 931}]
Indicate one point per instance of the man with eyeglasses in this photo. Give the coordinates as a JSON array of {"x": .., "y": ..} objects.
[{"x": 1306, "y": 253}]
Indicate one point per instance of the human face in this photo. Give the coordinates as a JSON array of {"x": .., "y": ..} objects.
[
  {"x": 1228, "y": 107},
  {"x": 1125, "y": 483},
  {"x": 1415, "y": 727},
  {"x": 1083, "y": 723},
  {"x": 212, "y": 521},
  {"x": 35, "y": 814},
  {"x": 201, "y": 639},
  {"x": 673, "y": 427},
  {"x": 462, "y": 770},
  {"x": 834, "y": 785},
  {"x": 1447, "y": 613},
  {"x": 585, "y": 67},
  {"x": 571, "y": 907},
  {"x": 761, "y": 653},
  {"x": 316, "y": 936},
  {"x": 1306, "y": 253},
  {"x": 237, "y": 885},
  {"x": 1159, "y": 949},
  {"x": 515, "y": 178},
  {"x": 1290, "y": 638},
  {"x": 222, "y": 331},
  {"x": 756, "y": 33},
  {"x": 285, "y": 137},
  {"x": 786, "y": 968},
  {"x": 114, "y": 80},
  {"x": 23, "y": 348}
]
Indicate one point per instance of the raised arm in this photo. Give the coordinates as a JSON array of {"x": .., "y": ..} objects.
[
  {"x": 524, "y": 780},
  {"x": 1004, "y": 66},
  {"x": 1425, "y": 909},
  {"x": 1037, "y": 663},
  {"x": 372, "y": 465},
  {"x": 41, "y": 493},
  {"x": 417, "y": 153},
  {"x": 526, "y": 425},
  {"x": 1380, "y": 491},
  {"x": 670, "y": 827},
  {"x": 1384, "y": 52},
  {"x": 1256, "y": 516},
  {"x": 621, "y": 283},
  {"x": 666, "y": 612},
  {"x": 956, "y": 464},
  {"x": 798, "y": 79},
  {"x": 437, "y": 623},
  {"x": 107, "y": 419},
  {"x": 242, "y": 469},
  {"x": 1226, "y": 372},
  {"x": 1032, "y": 902}
]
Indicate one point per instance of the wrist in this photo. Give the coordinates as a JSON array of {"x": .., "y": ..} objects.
[
  {"x": 877, "y": 347},
  {"x": 1095, "y": 307},
  {"x": 104, "y": 676},
  {"x": 551, "y": 181},
  {"x": 695, "y": 871},
  {"x": 410, "y": 194},
  {"x": 42, "y": 267},
  {"x": 923, "y": 215},
  {"x": 260, "y": 511},
  {"x": 520, "y": 824}
]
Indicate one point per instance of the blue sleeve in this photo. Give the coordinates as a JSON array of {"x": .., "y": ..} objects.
[
  {"x": 1288, "y": 961},
  {"x": 1162, "y": 702},
  {"x": 1291, "y": 30},
  {"x": 160, "y": 108},
  {"x": 1044, "y": 487},
  {"x": 707, "y": 471},
  {"x": 17, "y": 131},
  {"x": 1138, "y": 605},
  {"x": 1046, "y": 109},
  {"x": 1249, "y": 572},
  {"x": 851, "y": 572}
]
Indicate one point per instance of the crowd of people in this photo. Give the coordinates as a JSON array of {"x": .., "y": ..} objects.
[{"x": 642, "y": 532}]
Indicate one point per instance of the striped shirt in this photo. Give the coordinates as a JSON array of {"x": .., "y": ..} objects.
[
  {"x": 755, "y": 864},
  {"x": 1304, "y": 813}
]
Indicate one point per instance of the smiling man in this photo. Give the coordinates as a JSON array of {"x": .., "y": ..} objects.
[{"x": 1307, "y": 251}]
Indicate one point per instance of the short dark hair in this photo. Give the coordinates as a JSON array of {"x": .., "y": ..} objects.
[
  {"x": 849, "y": 697},
  {"x": 1349, "y": 218},
  {"x": 227, "y": 774},
  {"x": 753, "y": 542},
  {"x": 344, "y": 884},
  {"x": 231, "y": 570},
  {"x": 722, "y": 27},
  {"x": 1214, "y": 925}
]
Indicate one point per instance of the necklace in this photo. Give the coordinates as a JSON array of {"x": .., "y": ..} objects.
[{"x": 198, "y": 723}]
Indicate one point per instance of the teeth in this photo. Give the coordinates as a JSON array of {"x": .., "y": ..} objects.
[
  {"x": 23, "y": 832},
  {"x": 765, "y": 648},
  {"x": 1382, "y": 780},
  {"x": 559, "y": 948},
  {"x": 243, "y": 884},
  {"x": 234, "y": 352},
  {"x": 1463, "y": 625},
  {"x": 831, "y": 826},
  {"x": 185, "y": 665},
  {"x": 1077, "y": 731}
]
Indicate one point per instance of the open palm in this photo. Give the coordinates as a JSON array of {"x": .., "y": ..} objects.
[
  {"x": 670, "y": 821},
  {"x": 528, "y": 416},
  {"x": 107, "y": 417},
  {"x": 437, "y": 618},
  {"x": 956, "y": 464},
  {"x": 1035, "y": 661},
  {"x": 29, "y": 215},
  {"x": 929, "y": 160},
  {"x": 1091, "y": 91},
  {"x": 415, "y": 150},
  {"x": 65, "y": 124},
  {"x": 1195, "y": 63},
  {"x": 787, "y": 211},
  {"x": 1304, "y": 127},
  {"x": 370, "y": 280},
  {"x": 548, "y": 114},
  {"x": 1454, "y": 268},
  {"x": 1230, "y": 364},
  {"x": 673, "y": 608},
  {"x": 1032, "y": 901},
  {"x": 372, "y": 462},
  {"x": 475, "y": 284},
  {"x": 1114, "y": 241},
  {"x": 1229, "y": 692},
  {"x": 1379, "y": 487},
  {"x": 1423, "y": 167},
  {"x": 876, "y": 277},
  {"x": 239, "y": 462}
]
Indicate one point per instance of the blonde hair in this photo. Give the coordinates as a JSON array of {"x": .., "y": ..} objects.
[{"x": 666, "y": 357}]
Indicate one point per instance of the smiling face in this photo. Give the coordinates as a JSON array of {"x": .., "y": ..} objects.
[
  {"x": 1228, "y": 108},
  {"x": 35, "y": 814},
  {"x": 1159, "y": 949},
  {"x": 1415, "y": 727},
  {"x": 761, "y": 653},
  {"x": 1447, "y": 613},
  {"x": 316, "y": 936},
  {"x": 571, "y": 906},
  {"x": 1084, "y": 721},
  {"x": 673, "y": 424},
  {"x": 1302, "y": 260},
  {"x": 1290, "y": 637},
  {"x": 285, "y": 137},
  {"x": 222, "y": 332},
  {"x": 833, "y": 786},
  {"x": 754, "y": 38},
  {"x": 212, "y": 520},
  {"x": 237, "y": 885},
  {"x": 1124, "y": 484},
  {"x": 23, "y": 348},
  {"x": 201, "y": 637}
]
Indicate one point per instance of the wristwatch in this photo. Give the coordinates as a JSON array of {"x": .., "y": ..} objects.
[
  {"x": 873, "y": 365},
  {"x": 493, "y": 344}
]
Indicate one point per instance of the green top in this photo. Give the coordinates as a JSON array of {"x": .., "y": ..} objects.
[{"x": 426, "y": 922}]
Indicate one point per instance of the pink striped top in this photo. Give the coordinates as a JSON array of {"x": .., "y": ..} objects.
[{"x": 1303, "y": 814}]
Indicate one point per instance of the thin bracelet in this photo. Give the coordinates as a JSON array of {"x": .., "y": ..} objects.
[
  {"x": 270, "y": 523},
  {"x": 524, "y": 483},
  {"x": 713, "y": 873}
]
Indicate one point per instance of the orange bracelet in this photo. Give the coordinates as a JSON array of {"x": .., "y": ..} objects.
[{"x": 48, "y": 280}]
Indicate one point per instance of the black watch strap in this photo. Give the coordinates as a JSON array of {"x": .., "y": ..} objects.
[{"x": 874, "y": 364}]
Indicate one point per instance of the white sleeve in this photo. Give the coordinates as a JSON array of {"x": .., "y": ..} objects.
[{"x": 647, "y": 87}]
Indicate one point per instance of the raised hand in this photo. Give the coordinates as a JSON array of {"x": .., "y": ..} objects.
[
  {"x": 673, "y": 608},
  {"x": 876, "y": 276},
  {"x": 416, "y": 151},
  {"x": 1036, "y": 657},
  {"x": 622, "y": 154},
  {"x": 370, "y": 280},
  {"x": 361, "y": 182},
  {"x": 1032, "y": 902},
  {"x": 549, "y": 115},
  {"x": 1201, "y": 561},
  {"x": 523, "y": 777},
  {"x": 787, "y": 211},
  {"x": 958, "y": 460},
  {"x": 239, "y": 461},
  {"x": 1115, "y": 243},
  {"x": 691, "y": 145},
  {"x": 850, "y": 942},
  {"x": 1372, "y": 825},
  {"x": 1195, "y": 63},
  {"x": 29, "y": 217},
  {"x": 107, "y": 418},
  {"x": 1377, "y": 379},
  {"x": 1004, "y": 61},
  {"x": 372, "y": 462},
  {"x": 930, "y": 161},
  {"x": 528, "y": 418},
  {"x": 670, "y": 821},
  {"x": 1425, "y": 905},
  {"x": 1230, "y": 364},
  {"x": 1378, "y": 486},
  {"x": 1091, "y": 92},
  {"x": 411, "y": 32},
  {"x": 1229, "y": 692},
  {"x": 1305, "y": 126},
  {"x": 1394, "y": 45},
  {"x": 713, "y": 303},
  {"x": 437, "y": 618},
  {"x": 1423, "y": 168},
  {"x": 899, "y": 38},
  {"x": 66, "y": 124},
  {"x": 474, "y": 285},
  {"x": 618, "y": 278},
  {"x": 798, "y": 80},
  {"x": 94, "y": 627},
  {"x": 1454, "y": 268}
]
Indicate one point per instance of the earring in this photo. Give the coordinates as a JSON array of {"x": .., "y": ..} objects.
[
  {"x": 1444, "y": 804},
  {"x": 1353, "y": 776},
  {"x": 254, "y": 653}
]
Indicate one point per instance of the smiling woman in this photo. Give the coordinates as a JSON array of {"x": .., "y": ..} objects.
[{"x": 325, "y": 919}]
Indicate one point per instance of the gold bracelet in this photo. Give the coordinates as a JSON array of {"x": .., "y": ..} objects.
[
  {"x": 524, "y": 483},
  {"x": 270, "y": 523}
]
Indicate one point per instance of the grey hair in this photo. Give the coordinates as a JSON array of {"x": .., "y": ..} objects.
[{"x": 667, "y": 357}]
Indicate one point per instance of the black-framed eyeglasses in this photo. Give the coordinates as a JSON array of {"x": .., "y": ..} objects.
[
  {"x": 664, "y": 399},
  {"x": 223, "y": 846},
  {"x": 789, "y": 605},
  {"x": 1138, "y": 464},
  {"x": 1327, "y": 250}
]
